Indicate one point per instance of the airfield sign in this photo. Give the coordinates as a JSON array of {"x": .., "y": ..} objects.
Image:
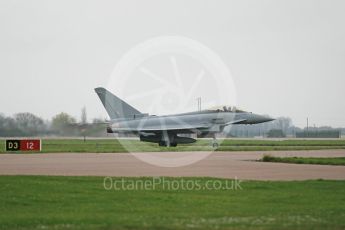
[{"x": 23, "y": 145}]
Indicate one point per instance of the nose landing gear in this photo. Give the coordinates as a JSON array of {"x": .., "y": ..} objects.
[
  {"x": 214, "y": 142},
  {"x": 215, "y": 145}
]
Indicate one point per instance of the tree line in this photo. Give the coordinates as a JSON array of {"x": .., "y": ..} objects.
[
  {"x": 28, "y": 124},
  {"x": 281, "y": 127}
]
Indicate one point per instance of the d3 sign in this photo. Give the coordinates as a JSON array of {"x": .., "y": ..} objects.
[{"x": 12, "y": 145}]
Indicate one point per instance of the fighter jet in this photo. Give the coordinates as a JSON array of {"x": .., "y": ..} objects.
[{"x": 166, "y": 130}]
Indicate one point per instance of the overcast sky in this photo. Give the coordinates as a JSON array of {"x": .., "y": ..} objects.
[{"x": 287, "y": 58}]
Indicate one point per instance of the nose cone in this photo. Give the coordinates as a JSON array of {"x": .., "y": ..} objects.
[{"x": 261, "y": 119}]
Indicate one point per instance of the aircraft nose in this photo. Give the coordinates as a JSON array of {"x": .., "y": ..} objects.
[
  {"x": 262, "y": 119},
  {"x": 265, "y": 119}
]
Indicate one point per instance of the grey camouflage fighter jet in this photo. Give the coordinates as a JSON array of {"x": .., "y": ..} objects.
[{"x": 165, "y": 130}]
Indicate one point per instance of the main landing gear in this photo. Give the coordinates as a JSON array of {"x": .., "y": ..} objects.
[{"x": 167, "y": 144}]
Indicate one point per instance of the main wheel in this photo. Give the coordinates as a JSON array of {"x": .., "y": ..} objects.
[
  {"x": 215, "y": 145},
  {"x": 162, "y": 143}
]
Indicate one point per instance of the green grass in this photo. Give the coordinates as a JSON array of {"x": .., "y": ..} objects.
[
  {"x": 295, "y": 142},
  {"x": 306, "y": 160},
  {"x": 114, "y": 145},
  {"x": 41, "y": 202}
]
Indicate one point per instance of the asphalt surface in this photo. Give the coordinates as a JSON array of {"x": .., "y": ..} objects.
[{"x": 241, "y": 165}]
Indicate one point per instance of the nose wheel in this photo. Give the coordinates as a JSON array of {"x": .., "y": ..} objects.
[
  {"x": 214, "y": 142},
  {"x": 215, "y": 145}
]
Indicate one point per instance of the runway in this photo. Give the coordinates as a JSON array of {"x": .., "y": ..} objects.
[{"x": 241, "y": 165}]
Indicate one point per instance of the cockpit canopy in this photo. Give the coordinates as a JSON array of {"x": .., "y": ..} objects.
[{"x": 225, "y": 108}]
